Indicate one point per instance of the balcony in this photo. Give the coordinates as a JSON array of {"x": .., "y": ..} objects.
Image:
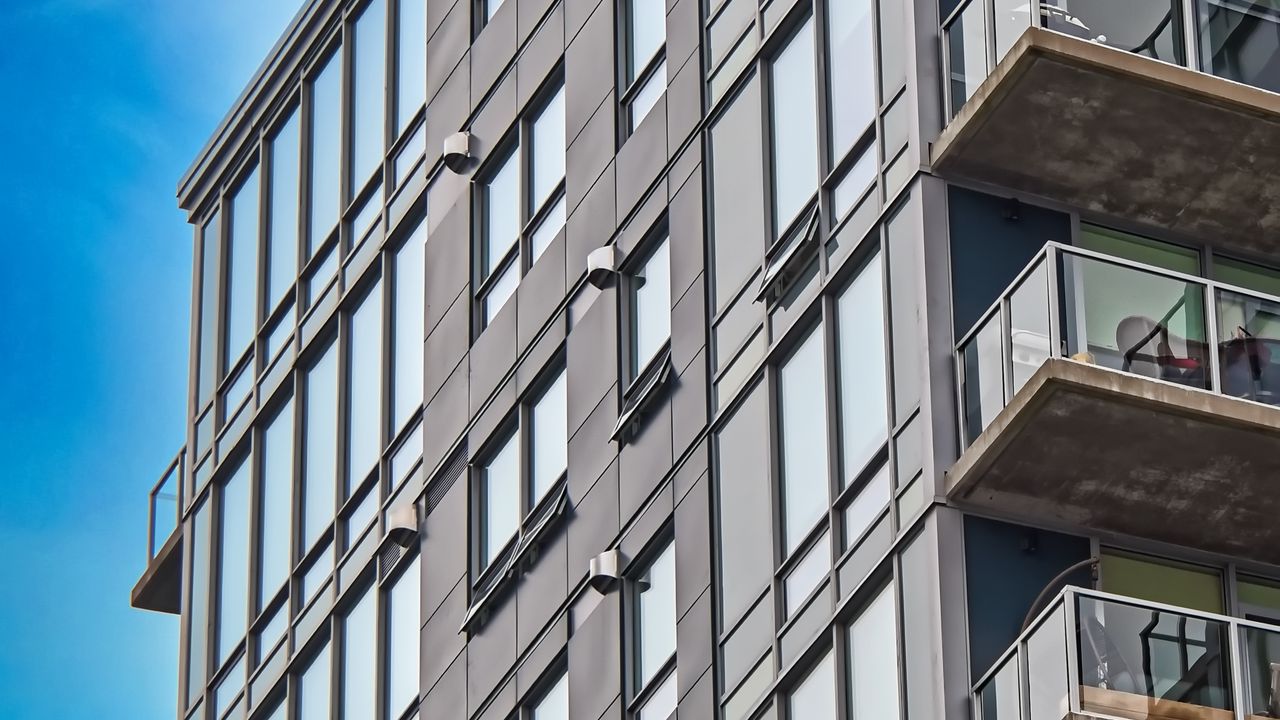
[
  {"x": 160, "y": 587},
  {"x": 1114, "y": 396},
  {"x": 1083, "y": 123},
  {"x": 1095, "y": 655}
]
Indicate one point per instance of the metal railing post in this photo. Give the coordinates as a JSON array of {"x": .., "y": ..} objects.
[
  {"x": 1055, "y": 329},
  {"x": 1238, "y": 695},
  {"x": 1211, "y": 335},
  {"x": 1072, "y": 625}
]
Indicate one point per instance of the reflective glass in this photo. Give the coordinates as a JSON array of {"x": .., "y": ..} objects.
[
  {"x": 326, "y": 151},
  {"x": 491, "y": 8},
  {"x": 651, "y": 307},
  {"x": 662, "y": 702},
  {"x": 320, "y": 434},
  {"x": 402, "y": 639},
  {"x": 853, "y": 186},
  {"x": 647, "y": 96},
  {"x": 502, "y": 211},
  {"x": 547, "y": 230},
  {"x": 815, "y": 696},
  {"x": 866, "y": 508},
  {"x": 197, "y": 627},
  {"x": 648, "y": 30},
  {"x": 807, "y": 574},
  {"x": 408, "y": 323},
  {"x": 550, "y": 438},
  {"x": 360, "y": 658},
  {"x": 364, "y": 389},
  {"x": 282, "y": 249},
  {"x": 411, "y": 65},
  {"x": 314, "y": 577},
  {"x": 795, "y": 128},
  {"x": 548, "y": 151},
  {"x": 233, "y": 559},
  {"x": 1146, "y": 27},
  {"x": 805, "y": 492},
  {"x": 368, "y": 127},
  {"x": 500, "y": 495},
  {"x": 242, "y": 276},
  {"x": 273, "y": 632},
  {"x": 313, "y": 688},
  {"x": 555, "y": 704},
  {"x": 1240, "y": 40},
  {"x": 228, "y": 689},
  {"x": 852, "y": 67},
  {"x": 864, "y": 395},
  {"x": 967, "y": 51},
  {"x": 210, "y": 272},
  {"x": 656, "y": 624},
  {"x": 873, "y": 660},
  {"x": 501, "y": 290},
  {"x": 276, "y": 498}
]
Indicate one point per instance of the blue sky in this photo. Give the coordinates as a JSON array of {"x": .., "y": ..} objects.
[{"x": 106, "y": 104}]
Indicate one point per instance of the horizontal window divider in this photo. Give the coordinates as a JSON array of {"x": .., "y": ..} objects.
[
  {"x": 786, "y": 261},
  {"x": 811, "y": 538},
  {"x": 641, "y": 395},
  {"x": 502, "y": 266},
  {"x": 645, "y": 74},
  {"x": 660, "y": 677}
]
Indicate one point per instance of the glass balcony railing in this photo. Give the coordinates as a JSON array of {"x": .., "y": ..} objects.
[
  {"x": 1127, "y": 316},
  {"x": 164, "y": 505},
  {"x": 1106, "y": 656}
]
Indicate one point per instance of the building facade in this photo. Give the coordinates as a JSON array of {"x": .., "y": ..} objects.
[{"x": 735, "y": 359}]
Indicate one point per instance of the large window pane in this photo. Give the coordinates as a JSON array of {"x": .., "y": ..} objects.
[
  {"x": 402, "y": 640},
  {"x": 864, "y": 404},
  {"x": 313, "y": 688},
  {"x": 210, "y": 272},
  {"x": 326, "y": 151},
  {"x": 369, "y": 93},
  {"x": 502, "y": 211},
  {"x": 364, "y": 389},
  {"x": 409, "y": 323},
  {"x": 411, "y": 79},
  {"x": 656, "y": 624},
  {"x": 815, "y": 696},
  {"x": 651, "y": 307},
  {"x": 648, "y": 33},
  {"x": 548, "y": 150},
  {"x": 795, "y": 128},
  {"x": 242, "y": 279},
  {"x": 550, "y": 438},
  {"x": 277, "y": 495},
  {"x": 1241, "y": 41},
  {"x": 319, "y": 461},
  {"x": 852, "y": 66},
  {"x": 198, "y": 628},
  {"x": 555, "y": 704},
  {"x": 873, "y": 660},
  {"x": 360, "y": 659},
  {"x": 805, "y": 492},
  {"x": 500, "y": 499},
  {"x": 282, "y": 251},
  {"x": 233, "y": 559}
]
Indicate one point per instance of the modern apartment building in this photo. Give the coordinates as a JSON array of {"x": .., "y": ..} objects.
[{"x": 735, "y": 359}]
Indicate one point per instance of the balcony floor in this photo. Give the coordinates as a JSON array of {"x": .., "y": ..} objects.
[
  {"x": 1085, "y": 446},
  {"x": 1093, "y": 127}
]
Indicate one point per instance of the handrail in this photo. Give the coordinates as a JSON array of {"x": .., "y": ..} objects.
[{"x": 173, "y": 474}]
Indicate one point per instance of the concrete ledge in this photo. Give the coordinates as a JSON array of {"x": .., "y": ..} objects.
[
  {"x": 1120, "y": 134},
  {"x": 1086, "y": 446},
  {"x": 160, "y": 587}
]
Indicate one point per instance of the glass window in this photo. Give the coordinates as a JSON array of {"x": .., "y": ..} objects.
[
  {"x": 656, "y": 616},
  {"x": 1146, "y": 579},
  {"x": 1247, "y": 275},
  {"x": 548, "y": 151},
  {"x": 403, "y": 635},
  {"x": 282, "y": 250},
  {"x": 210, "y": 272},
  {"x": 364, "y": 389},
  {"x": 648, "y": 94},
  {"x": 852, "y": 68},
  {"x": 795, "y": 141},
  {"x": 808, "y": 574},
  {"x": 325, "y": 151},
  {"x": 662, "y": 701},
  {"x": 1259, "y": 599},
  {"x": 491, "y": 8},
  {"x": 1240, "y": 40},
  {"x": 866, "y": 507},
  {"x": 967, "y": 54},
  {"x": 198, "y": 611},
  {"x": 276, "y": 495},
  {"x": 554, "y": 705},
  {"x": 647, "y": 28},
  {"x": 547, "y": 230},
  {"x": 501, "y": 290},
  {"x": 815, "y": 696},
  {"x": 242, "y": 278},
  {"x": 864, "y": 396},
  {"x": 233, "y": 560},
  {"x": 873, "y": 660},
  {"x": 313, "y": 688},
  {"x": 411, "y": 63},
  {"x": 651, "y": 307},
  {"x": 360, "y": 659},
  {"x": 1147, "y": 27},
  {"x": 320, "y": 428},
  {"x": 501, "y": 212},
  {"x": 550, "y": 446},
  {"x": 369, "y": 93},
  {"x": 500, "y": 499},
  {"x": 1139, "y": 249},
  {"x": 805, "y": 492},
  {"x": 410, "y": 327}
]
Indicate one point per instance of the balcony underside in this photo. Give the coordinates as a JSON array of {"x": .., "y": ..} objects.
[
  {"x": 160, "y": 587},
  {"x": 1124, "y": 135},
  {"x": 1084, "y": 446}
]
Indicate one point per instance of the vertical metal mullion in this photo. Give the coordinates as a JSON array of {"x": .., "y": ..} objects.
[
  {"x": 1056, "y": 347},
  {"x": 1211, "y": 335},
  {"x": 1191, "y": 33},
  {"x": 1237, "y": 675},
  {"x": 1071, "y": 618},
  {"x": 833, "y": 422},
  {"x": 1004, "y": 317}
]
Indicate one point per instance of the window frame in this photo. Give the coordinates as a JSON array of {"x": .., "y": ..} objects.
[
  {"x": 633, "y": 81},
  {"x": 516, "y": 146},
  {"x": 633, "y": 371},
  {"x": 638, "y": 691}
]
